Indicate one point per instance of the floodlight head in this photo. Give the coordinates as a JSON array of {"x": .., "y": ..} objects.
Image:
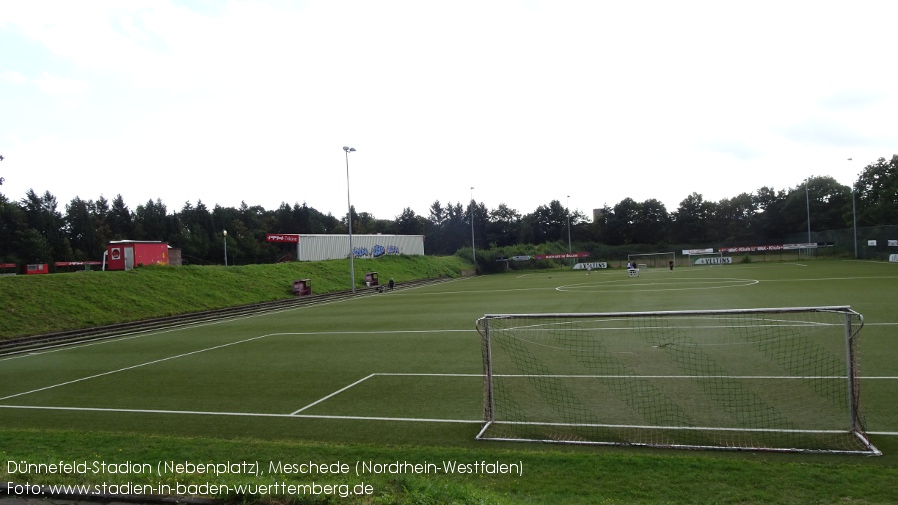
[{"x": 348, "y": 149}]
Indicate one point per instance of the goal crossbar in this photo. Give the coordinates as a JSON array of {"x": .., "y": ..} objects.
[{"x": 774, "y": 379}]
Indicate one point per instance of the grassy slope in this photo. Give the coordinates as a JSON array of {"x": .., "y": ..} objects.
[{"x": 35, "y": 304}]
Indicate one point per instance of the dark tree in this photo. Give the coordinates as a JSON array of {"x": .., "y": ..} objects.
[{"x": 877, "y": 193}]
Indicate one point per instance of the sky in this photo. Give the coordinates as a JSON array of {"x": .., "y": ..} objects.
[{"x": 509, "y": 102}]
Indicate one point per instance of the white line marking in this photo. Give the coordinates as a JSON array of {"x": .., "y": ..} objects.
[
  {"x": 291, "y": 416},
  {"x": 135, "y": 366},
  {"x": 244, "y": 414},
  {"x": 384, "y": 332},
  {"x": 335, "y": 393},
  {"x": 417, "y": 374},
  {"x": 148, "y": 333}
]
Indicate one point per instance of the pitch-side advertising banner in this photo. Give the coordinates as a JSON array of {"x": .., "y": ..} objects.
[
  {"x": 282, "y": 237},
  {"x": 561, "y": 256},
  {"x": 596, "y": 265},
  {"x": 768, "y": 247}
]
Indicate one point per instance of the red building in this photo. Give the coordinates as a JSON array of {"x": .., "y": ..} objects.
[
  {"x": 36, "y": 268},
  {"x": 127, "y": 254}
]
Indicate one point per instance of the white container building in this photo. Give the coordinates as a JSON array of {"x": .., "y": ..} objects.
[{"x": 330, "y": 247}]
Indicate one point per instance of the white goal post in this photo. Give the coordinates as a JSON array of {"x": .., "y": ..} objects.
[
  {"x": 773, "y": 379},
  {"x": 653, "y": 260}
]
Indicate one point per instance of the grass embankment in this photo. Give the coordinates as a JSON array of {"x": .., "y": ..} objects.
[{"x": 36, "y": 304}]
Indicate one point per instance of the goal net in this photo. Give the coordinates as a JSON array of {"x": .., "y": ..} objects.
[
  {"x": 653, "y": 260},
  {"x": 754, "y": 379}
]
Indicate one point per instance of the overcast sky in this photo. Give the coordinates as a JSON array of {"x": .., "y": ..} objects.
[{"x": 584, "y": 102}]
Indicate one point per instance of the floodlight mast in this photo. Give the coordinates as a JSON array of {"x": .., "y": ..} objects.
[
  {"x": 471, "y": 207},
  {"x": 347, "y": 150},
  {"x": 567, "y": 210},
  {"x": 854, "y": 217}
]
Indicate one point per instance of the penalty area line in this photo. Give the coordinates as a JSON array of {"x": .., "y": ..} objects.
[{"x": 335, "y": 393}]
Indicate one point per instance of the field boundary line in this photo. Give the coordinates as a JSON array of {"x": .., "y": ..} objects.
[{"x": 242, "y": 414}]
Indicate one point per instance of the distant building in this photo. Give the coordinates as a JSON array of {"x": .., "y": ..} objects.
[
  {"x": 127, "y": 254},
  {"x": 330, "y": 247}
]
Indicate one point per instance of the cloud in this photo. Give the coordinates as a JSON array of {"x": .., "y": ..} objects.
[
  {"x": 830, "y": 133},
  {"x": 527, "y": 102},
  {"x": 13, "y": 77},
  {"x": 853, "y": 99},
  {"x": 735, "y": 148},
  {"x": 61, "y": 86}
]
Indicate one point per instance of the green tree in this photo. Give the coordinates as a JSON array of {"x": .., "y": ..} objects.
[
  {"x": 408, "y": 223},
  {"x": 769, "y": 218},
  {"x": 13, "y": 227},
  {"x": 734, "y": 219},
  {"x": 820, "y": 203},
  {"x": 33, "y": 247},
  {"x": 151, "y": 222},
  {"x": 196, "y": 233},
  {"x": 503, "y": 226},
  {"x": 621, "y": 221},
  {"x": 651, "y": 223},
  {"x": 43, "y": 217},
  {"x": 83, "y": 230},
  {"x": 877, "y": 193},
  {"x": 548, "y": 223},
  {"x": 691, "y": 221},
  {"x": 120, "y": 220}
]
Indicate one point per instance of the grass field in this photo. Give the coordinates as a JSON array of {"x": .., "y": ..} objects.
[{"x": 396, "y": 378}]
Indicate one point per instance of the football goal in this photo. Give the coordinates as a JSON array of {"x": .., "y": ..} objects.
[
  {"x": 781, "y": 379},
  {"x": 653, "y": 260}
]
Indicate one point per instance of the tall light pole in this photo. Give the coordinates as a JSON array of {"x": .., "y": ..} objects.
[
  {"x": 347, "y": 150},
  {"x": 225, "y": 233},
  {"x": 854, "y": 218},
  {"x": 471, "y": 212},
  {"x": 807, "y": 201},
  {"x": 567, "y": 210}
]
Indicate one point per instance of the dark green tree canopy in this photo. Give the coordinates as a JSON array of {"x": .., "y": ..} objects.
[{"x": 34, "y": 230}]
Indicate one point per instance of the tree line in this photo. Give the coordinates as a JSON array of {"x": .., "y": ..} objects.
[{"x": 34, "y": 230}]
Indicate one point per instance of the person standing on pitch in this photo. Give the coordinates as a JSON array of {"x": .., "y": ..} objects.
[
  {"x": 391, "y": 283},
  {"x": 670, "y": 263}
]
